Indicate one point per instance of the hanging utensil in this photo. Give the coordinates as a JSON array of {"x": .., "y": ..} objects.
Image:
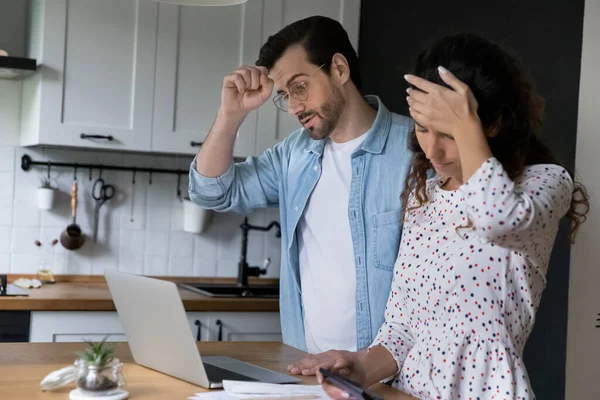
[
  {"x": 132, "y": 196},
  {"x": 72, "y": 238},
  {"x": 179, "y": 188},
  {"x": 101, "y": 193}
]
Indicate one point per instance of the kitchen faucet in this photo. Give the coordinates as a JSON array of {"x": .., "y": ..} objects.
[{"x": 244, "y": 270}]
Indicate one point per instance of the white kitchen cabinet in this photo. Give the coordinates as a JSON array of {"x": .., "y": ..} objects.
[
  {"x": 275, "y": 125},
  {"x": 196, "y": 48},
  {"x": 244, "y": 326},
  {"x": 75, "y": 326},
  {"x": 97, "y": 74},
  {"x": 150, "y": 75},
  {"x": 79, "y": 326},
  {"x": 199, "y": 324}
]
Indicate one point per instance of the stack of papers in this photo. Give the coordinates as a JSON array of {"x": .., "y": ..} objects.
[{"x": 257, "y": 390}]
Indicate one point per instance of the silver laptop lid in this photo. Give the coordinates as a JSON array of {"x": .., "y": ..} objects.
[{"x": 156, "y": 326}]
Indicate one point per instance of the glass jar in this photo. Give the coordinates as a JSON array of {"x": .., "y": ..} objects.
[{"x": 97, "y": 380}]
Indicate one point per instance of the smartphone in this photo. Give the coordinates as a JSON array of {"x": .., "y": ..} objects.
[{"x": 355, "y": 391}]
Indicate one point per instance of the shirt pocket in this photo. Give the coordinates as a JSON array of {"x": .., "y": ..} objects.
[{"x": 388, "y": 229}]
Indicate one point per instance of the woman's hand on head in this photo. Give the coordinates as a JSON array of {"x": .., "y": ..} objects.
[{"x": 439, "y": 108}]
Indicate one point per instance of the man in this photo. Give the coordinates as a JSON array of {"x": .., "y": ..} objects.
[{"x": 337, "y": 182}]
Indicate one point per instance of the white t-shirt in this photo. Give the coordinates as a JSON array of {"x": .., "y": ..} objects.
[{"x": 327, "y": 269}]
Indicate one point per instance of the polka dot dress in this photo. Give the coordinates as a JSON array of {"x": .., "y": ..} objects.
[{"x": 468, "y": 280}]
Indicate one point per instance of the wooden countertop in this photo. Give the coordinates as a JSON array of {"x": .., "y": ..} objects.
[
  {"x": 24, "y": 365},
  {"x": 90, "y": 293}
]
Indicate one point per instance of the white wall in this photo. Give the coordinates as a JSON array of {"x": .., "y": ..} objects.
[
  {"x": 583, "y": 347},
  {"x": 154, "y": 243}
]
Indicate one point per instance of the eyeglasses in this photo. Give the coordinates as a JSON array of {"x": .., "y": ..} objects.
[{"x": 297, "y": 90}]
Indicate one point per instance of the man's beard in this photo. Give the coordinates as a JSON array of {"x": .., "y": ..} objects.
[{"x": 330, "y": 114}]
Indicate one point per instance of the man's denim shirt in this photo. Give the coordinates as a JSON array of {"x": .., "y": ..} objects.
[{"x": 284, "y": 176}]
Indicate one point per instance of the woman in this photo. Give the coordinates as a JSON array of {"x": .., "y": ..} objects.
[{"x": 477, "y": 237}]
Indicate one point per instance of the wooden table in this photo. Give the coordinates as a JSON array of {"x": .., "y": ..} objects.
[{"x": 24, "y": 365}]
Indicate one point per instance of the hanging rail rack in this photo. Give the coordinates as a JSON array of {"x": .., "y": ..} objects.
[{"x": 27, "y": 163}]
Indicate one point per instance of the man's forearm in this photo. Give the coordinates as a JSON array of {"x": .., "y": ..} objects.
[{"x": 216, "y": 153}]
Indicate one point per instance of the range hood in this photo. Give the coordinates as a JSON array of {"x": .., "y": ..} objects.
[{"x": 16, "y": 67}]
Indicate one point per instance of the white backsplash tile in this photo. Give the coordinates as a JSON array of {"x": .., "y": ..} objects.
[
  {"x": 162, "y": 162},
  {"x": 161, "y": 194},
  {"x": 26, "y": 184},
  {"x": 79, "y": 262},
  {"x": 8, "y": 188},
  {"x": 229, "y": 236},
  {"x": 132, "y": 243},
  {"x": 205, "y": 246},
  {"x": 24, "y": 263},
  {"x": 156, "y": 265},
  {"x": 158, "y": 219},
  {"x": 5, "y": 263},
  {"x": 23, "y": 239},
  {"x": 204, "y": 266},
  {"x": 100, "y": 262},
  {"x": 58, "y": 217},
  {"x": 133, "y": 264},
  {"x": 153, "y": 244},
  {"x": 227, "y": 268},
  {"x": 26, "y": 216},
  {"x": 182, "y": 244},
  {"x": 109, "y": 222},
  {"x": 5, "y": 242},
  {"x": 177, "y": 217},
  {"x": 6, "y": 215},
  {"x": 134, "y": 220},
  {"x": 7, "y": 159},
  {"x": 181, "y": 266},
  {"x": 157, "y": 244}
]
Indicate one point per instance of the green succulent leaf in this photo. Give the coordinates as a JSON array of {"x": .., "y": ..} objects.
[{"x": 98, "y": 353}]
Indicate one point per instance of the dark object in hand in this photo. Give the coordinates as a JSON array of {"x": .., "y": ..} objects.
[{"x": 352, "y": 388}]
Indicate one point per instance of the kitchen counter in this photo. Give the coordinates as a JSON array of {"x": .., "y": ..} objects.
[
  {"x": 24, "y": 365},
  {"x": 90, "y": 293}
]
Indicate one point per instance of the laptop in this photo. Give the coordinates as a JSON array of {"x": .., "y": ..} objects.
[{"x": 161, "y": 338}]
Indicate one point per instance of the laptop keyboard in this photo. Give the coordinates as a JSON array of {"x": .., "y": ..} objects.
[{"x": 216, "y": 374}]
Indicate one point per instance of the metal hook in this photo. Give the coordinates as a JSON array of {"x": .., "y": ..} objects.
[
  {"x": 75, "y": 172},
  {"x": 99, "y": 173},
  {"x": 150, "y": 178},
  {"x": 133, "y": 177},
  {"x": 90, "y": 175},
  {"x": 49, "y": 169},
  {"x": 179, "y": 186}
]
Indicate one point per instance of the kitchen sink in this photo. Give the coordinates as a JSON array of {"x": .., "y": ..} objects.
[{"x": 224, "y": 290}]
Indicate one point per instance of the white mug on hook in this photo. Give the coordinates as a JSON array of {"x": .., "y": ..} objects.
[{"x": 195, "y": 218}]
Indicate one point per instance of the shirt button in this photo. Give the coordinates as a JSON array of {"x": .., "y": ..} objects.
[
  {"x": 296, "y": 209},
  {"x": 316, "y": 168}
]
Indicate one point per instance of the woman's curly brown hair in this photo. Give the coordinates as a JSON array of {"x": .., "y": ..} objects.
[{"x": 508, "y": 106}]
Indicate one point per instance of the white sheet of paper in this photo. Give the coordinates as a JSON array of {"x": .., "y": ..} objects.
[
  {"x": 213, "y": 395},
  {"x": 235, "y": 390},
  {"x": 259, "y": 388},
  {"x": 222, "y": 395}
]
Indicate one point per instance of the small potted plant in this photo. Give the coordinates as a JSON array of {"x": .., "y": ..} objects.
[
  {"x": 46, "y": 194},
  {"x": 99, "y": 372}
]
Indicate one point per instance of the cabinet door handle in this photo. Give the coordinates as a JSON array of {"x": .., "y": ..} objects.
[
  {"x": 86, "y": 136},
  {"x": 195, "y": 144},
  {"x": 220, "y": 335},
  {"x": 199, "y": 334}
]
